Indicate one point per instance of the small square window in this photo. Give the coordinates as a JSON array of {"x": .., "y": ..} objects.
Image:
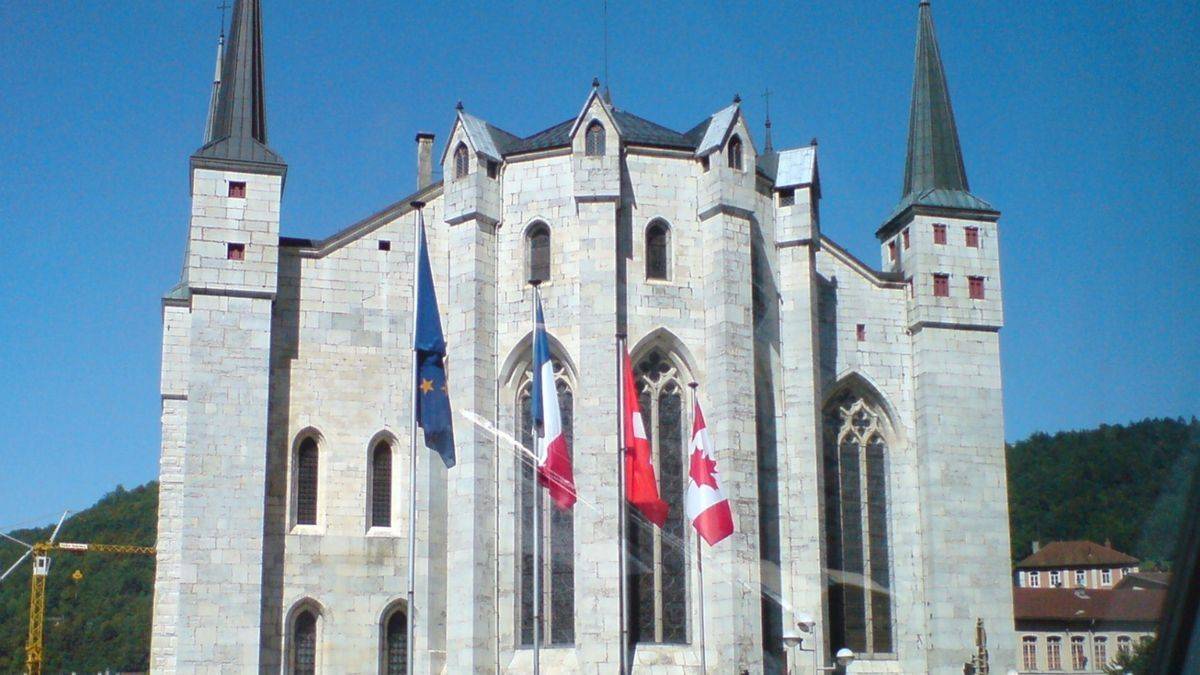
[
  {"x": 704, "y": 163},
  {"x": 941, "y": 285},
  {"x": 385, "y": 245},
  {"x": 939, "y": 233},
  {"x": 237, "y": 189},
  {"x": 235, "y": 251},
  {"x": 861, "y": 332},
  {"x": 975, "y": 287},
  {"x": 892, "y": 250},
  {"x": 787, "y": 197},
  {"x": 973, "y": 237},
  {"x": 906, "y": 238},
  {"x": 493, "y": 169}
]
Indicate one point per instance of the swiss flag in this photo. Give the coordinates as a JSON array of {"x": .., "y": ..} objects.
[
  {"x": 706, "y": 504},
  {"x": 641, "y": 486}
]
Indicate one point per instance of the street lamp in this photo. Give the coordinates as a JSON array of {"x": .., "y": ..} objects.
[{"x": 793, "y": 637}]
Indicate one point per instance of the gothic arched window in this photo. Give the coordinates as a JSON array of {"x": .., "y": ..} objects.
[
  {"x": 594, "y": 137},
  {"x": 462, "y": 161},
  {"x": 658, "y": 248},
  {"x": 735, "y": 153},
  {"x": 395, "y": 644},
  {"x": 558, "y": 529},
  {"x": 858, "y": 553},
  {"x": 657, "y": 569},
  {"x": 381, "y": 485},
  {"x": 306, "y": 482},
  {"x": 304, "y": 644},
  {"x": 538, "y": 256}
]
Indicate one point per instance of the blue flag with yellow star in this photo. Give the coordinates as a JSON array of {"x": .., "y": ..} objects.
[{"x": 432, "y": 397}]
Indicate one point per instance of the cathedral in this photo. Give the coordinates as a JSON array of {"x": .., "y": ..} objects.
[{"x": 854, "y": 408}]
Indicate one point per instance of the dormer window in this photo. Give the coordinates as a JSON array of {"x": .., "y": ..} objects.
[
  {"x": 735, "y": 153},
  {"x": 787, "y": 196},
  {"x": 594, "y": 139},
  {"x": 462, "y": 161}
]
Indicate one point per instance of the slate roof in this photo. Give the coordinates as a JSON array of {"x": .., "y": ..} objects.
[
  {"x": 239, "y": 126},
  {"x": 635, "y": 130},
  {"x": 796, "y": 167},
  {"x": 934, "y": 174},
  {"x": 1067, "y": 604},
  {"x": 1080, "y": 553},
  {"x": 714, "y": 134}
]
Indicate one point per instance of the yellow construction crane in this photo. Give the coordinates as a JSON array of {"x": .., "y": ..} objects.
[{"x": 40, "y": 551}]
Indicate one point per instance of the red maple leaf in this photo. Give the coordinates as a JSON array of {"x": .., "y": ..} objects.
[{"x": 703, "y": 470}]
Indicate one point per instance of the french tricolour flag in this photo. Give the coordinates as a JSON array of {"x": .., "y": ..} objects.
[
  {"x": 553, "y": 459},
  {"x": 706, "y": 504}
]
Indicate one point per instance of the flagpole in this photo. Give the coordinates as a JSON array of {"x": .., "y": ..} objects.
[
  {"x": 418, "y": 228},
  {"x": 699, "y": 559},
  {"x": 624, "y": 601},
  {"x": 537, "y": 495}
]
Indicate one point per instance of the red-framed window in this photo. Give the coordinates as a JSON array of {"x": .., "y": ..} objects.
[
  {"x": 235, "y": 251},
  {"x": 906, "y": 238},
  {"x": 939, "y": 233},
  {"x": 860, "y": 332},
  {"x": 892, "y": 250},
  {"x": 975, "y": 287},
  {"x": 941, "y": 285},
  {"x": 972, "y": 237},
  {"x": 237, "y": 189}
]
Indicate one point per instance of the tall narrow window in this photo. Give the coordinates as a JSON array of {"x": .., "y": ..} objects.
[
  {"x": 1029, "y": 652},
  {"x": 306, "y": 482},
  {"x": 658, "y": 245},
  {"x": 1124, "y": 644},
  {"x": 462, "y": 161},
  {"x": 939, "y": 233},
  {"x": 1054, "y": 653},
  {"x": 304, "y": 644},
  {"x": 972, "y": 237},
  {"x": 538, "y": 259},
  {"x": 857, "y": 544},
  {"x": 558, "y": 532},
  {"x": 735, "y": 153},
  {"x": 1106, "y": 577},
  {"x": 594, "y": 139},
  {"x": 1056, "y": 578},
  {"x": 1100, "y": 647},
  {"x": 1078, "y": 653},
  {"x": 1080, "y": 578},
  {"x": 905, "y": 237},
  {"x": 395, "y": 644},
  {"x": 657, "y": 570},
  {"x": 941, "y": 285},
  {"x": 381, "y": 485},
  {"x": 892, "y": 250},
  {"x": 1035, "y": 579}
]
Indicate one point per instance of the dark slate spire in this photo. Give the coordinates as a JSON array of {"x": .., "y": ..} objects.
[
  {"x": 934, "y": 156},
  {"x": 934, "y": 174},
  {"x": 239, "y": 128}
]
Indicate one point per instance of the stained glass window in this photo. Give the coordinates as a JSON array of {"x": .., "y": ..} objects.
[
  {"x": 396, "y": 645},
  {"x": 857, "y": 548},
  {"x": 381, "y": 485},
  {"x": 558, "y": 532},
  {"x": 657, "y": 248},
  {"x": 657, "y": 566},
  {"x": 306, "y": 482},
  {"x": 304, "y": 644},
  {"x": 595, "y": 139}
]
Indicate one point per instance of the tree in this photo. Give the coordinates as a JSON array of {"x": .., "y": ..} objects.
[{"x": 1136, "y": 661}]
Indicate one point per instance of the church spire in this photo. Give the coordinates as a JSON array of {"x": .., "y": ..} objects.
[
  {"x": 934, "y": 155},
  {"x": 210, "y": 123},
  {"x": 239, "y": 124}
]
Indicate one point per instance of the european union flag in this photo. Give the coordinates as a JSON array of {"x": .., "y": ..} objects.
[{"x": 432, "y": 396}]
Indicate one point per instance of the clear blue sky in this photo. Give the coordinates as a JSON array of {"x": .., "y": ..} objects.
[{"x": 1078, "y": 120}]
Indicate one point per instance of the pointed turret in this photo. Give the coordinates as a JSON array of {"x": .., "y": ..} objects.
[
  {"x": 239, "y": 126},
  {"x": 934, "y": 174},
  {"x": 214, "y": 98}
]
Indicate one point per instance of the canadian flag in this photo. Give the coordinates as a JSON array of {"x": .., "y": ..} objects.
[
  {"x": 554, "y": 461},
  {"x": 641, "y": 487},
  {"x": 706, "y": 504}
]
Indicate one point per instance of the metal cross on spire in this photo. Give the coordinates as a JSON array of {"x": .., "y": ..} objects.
[
  {"x": 767, "y": 145},
  {"x": 223, "y": 6}
]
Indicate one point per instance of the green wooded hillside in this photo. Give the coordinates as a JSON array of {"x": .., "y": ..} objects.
[
  {"x": 1127, "y": 483},
  {"x": 1124, "y": 482},
  {"x": 102, "y": 621}
]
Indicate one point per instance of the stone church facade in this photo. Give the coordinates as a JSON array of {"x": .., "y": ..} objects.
[{"x": 855, "y": 410}]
